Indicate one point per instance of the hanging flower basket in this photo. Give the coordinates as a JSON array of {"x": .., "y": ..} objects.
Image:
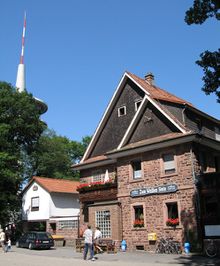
[{"x": 172, "y": 222}]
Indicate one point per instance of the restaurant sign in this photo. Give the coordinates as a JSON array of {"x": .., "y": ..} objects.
[{"x": 153, "y": 190}]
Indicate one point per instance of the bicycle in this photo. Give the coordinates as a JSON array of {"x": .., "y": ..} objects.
[
  {"x": 211, "y": 249},
  {"x": 168, "y": 246}
]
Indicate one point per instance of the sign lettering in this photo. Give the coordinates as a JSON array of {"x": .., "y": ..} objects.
[{"x": 153, "y": 190}]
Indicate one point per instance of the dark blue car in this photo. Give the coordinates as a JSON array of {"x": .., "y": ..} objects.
[{"x": 35, "y": 240}]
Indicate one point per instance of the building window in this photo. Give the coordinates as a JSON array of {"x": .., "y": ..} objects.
[
  {"x": 85, "y": 212},
  {"x": 199, "y": 124},
  {"x": 203, "y": 161},
  {"x": 68, "y": 224},
  {"x": 137, "y": 105},
  {"x": 97, "y": 176},
  {"x": 103, "y": 221},
  {"x": 169, "y": 164},
  {"x": 136, "y": 169},
  {"x": 217, "y": 133},
  {"x": 35, "y": 204},
  {"x": 217, "y": 163},
  {"x": 121, "y": 111},
  {"x": 172, "y": 214},
  {"x": 138, "y": 214}
]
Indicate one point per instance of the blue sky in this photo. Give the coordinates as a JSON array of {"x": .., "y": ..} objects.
[{"x": 76, "y": 52}]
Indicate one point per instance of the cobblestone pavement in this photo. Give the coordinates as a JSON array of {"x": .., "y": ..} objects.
[{"x": 66, "y": 256}]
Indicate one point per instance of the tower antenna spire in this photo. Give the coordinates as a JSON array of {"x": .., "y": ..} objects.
[
  {"x": 23, "y": 39},
  {"x": 20, "y": 82}
]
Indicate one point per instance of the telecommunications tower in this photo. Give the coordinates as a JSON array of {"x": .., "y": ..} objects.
[{"x": 20, "y": 81}]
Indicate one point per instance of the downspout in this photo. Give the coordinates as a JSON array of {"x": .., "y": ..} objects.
[
  {"x": 197, "y": 202},
  {"x": 78, "y": 229},
  {"x": 192, "y": 166}
]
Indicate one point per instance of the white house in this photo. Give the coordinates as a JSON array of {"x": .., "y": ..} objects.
[{"x": 52, "y": 205}]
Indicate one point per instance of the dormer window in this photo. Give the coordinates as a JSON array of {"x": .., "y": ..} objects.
[
  {"x": 137, "y": 105},
  {"x": 121, "y": 111}
]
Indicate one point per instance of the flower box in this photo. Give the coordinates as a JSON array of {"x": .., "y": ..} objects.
[
  {"x": 172, "y": 222},
  {"x": 138, "y": 223},
  {"x": 95, "y": 186}
]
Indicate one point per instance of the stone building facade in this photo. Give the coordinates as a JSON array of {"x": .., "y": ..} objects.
[{"x": 142, "y": 176}]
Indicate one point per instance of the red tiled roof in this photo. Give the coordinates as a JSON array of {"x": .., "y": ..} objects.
[
  {"x": 156, "y": 92},
  {"x": 56, "y": 185}
]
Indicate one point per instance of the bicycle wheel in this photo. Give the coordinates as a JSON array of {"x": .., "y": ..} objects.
[
  {"x": 211, "y": 250},
  {"x": 160, "y": 248}
]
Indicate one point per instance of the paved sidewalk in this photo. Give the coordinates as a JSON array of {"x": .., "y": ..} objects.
[{"x": 67, "y": 256}]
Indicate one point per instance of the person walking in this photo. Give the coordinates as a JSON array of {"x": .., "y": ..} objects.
[
  {"x": 88, "y": 240},
  {"x": 8, "y": 245},
  {"x": 97, "y": 237},
  {"x": 2, "y": 239}
]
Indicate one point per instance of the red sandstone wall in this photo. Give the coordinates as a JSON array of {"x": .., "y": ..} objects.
[{"x": 154, "y": 205}]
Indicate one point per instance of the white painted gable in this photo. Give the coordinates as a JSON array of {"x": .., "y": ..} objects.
[
  {"x": 44, "y": 203},
  {"x": 50, "y": 205}
]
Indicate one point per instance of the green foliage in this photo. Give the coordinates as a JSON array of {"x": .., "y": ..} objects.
[
  {"x": 54, "y": 156},
  {"x": 209, "y": 61},
  {"x": 201, "y": 10},
  {"x": 20, "y": 129}
]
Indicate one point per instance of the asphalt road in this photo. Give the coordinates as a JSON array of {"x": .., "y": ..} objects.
[{"x": 66, "y": 256}]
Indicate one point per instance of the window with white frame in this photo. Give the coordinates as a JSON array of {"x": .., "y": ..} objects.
[
  {"x": 68, "y": 224},
  {"x": 35, "y": 204},
  {"x": 121, "y": 111},
  {"x": 137, "y": 105},
  {"x": 98, "y": 176},
  {"x": 136, "y": 169},
  {"x": 103, "y": 221},
  {"x": 169, "y": 164},
  {"x": 217, "y": 133}
]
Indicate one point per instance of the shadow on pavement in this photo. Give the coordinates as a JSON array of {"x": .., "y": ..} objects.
[{"x": 197, "y": 260}]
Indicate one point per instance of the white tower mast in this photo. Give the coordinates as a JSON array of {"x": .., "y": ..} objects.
[{"x": 20, "y": 82}]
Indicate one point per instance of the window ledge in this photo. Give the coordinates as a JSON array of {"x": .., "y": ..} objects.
[
  {"x": 172, "y": 227},
  {"x": 139, "y": 229},
  {"x": 168, "y": 175},
  {"x": 136, "y": 180}
]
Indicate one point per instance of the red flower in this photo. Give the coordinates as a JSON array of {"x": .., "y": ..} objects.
[
  {"x": 94, "y": 184},
  {"x": 172, "y": 222},
  {"x": 138, "y": 223}
]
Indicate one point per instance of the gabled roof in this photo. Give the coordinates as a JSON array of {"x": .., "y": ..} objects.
[
  {"x": 54, "y": 185},
  {"x": 152, "y": 94}
]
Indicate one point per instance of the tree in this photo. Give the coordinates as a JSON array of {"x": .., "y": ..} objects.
[
  {"x": 210, "y": 61},
  {"x": 54, "y": 155},
  {"x": 20, "y": 129}
]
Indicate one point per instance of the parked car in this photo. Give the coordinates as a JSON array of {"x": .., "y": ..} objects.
[{"x": 35, "y": 240}]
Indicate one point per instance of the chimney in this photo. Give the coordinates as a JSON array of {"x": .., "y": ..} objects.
[{"x": 149, "y": 77}]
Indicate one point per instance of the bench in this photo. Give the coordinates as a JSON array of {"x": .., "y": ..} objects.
[
  {"x": 105, "y": 244},
  {"x": 79, "y": 244},
  {"x": 59, "y": 241}
]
